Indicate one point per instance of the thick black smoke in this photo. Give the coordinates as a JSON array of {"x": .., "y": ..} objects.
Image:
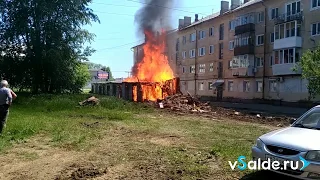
[{"x": 153, "y": 15}]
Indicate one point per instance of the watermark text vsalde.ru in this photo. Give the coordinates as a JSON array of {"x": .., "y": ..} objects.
[{"x": 268, "y": 164}]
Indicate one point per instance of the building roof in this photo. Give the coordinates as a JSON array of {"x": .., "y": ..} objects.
[
  {"x": 217, "y": 14},
  {"x": 252, "y": 2},
  {"x": 138, "y": 45},
  {"x": 202, "y": 20}
]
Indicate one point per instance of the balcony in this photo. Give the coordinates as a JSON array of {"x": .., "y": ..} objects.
[
  {"x": 286, "y": 43},
  {"x": 284, "y": 69},
  {"x": 243, "y": 72},
  {"x": 244, "y": 29},
  {"x": 241, "y": 50},
  {"x": 283, "y": 18}
]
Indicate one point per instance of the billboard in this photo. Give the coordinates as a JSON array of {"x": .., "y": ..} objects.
[{"x": 102, "y": 75}]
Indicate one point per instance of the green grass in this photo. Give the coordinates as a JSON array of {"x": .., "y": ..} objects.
[
  {"x": 181, "y": 146},
  {"x": 62, "y": 119}
]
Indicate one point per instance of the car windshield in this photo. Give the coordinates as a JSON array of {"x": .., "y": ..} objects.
[{"x": 309, "y": 120}]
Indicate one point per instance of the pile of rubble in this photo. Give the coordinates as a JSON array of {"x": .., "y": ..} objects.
[{"x": 186, "y": 103}]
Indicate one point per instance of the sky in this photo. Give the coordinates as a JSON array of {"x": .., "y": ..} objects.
[{"x": 117, "y": 31}]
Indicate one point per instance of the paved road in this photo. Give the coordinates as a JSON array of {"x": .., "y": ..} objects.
[{"x": 266, "y": 108}]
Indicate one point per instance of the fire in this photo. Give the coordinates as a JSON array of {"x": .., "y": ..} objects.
[{"x": 154, "y": 69}]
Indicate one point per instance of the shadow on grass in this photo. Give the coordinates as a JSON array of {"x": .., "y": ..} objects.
[{"x": 265, "y": 175}]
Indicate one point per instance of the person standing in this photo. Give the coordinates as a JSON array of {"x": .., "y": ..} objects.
[{"x": 6, "y": 97}]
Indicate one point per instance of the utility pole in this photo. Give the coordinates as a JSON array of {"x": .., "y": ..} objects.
[{"x": 128, "y": 73}]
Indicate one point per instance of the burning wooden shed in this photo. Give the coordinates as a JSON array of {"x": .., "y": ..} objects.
[{"x": 138, "y": 91}]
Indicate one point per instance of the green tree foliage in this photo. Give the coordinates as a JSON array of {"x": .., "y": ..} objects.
[
  {"x": 42, "y": 44},
  {"x": 310, "y": 66}
]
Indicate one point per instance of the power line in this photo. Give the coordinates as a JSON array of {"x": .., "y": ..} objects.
[
  {"x": 124, "y": 14},
  {"x": 121, "y": 45},
  {"x": 166, "y": 7},
  {"x": 121, "y": 5}
]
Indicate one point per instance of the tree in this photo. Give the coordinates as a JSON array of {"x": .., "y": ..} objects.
[
  {"x": 42, "y": 43},
  {"x": 310, "y": 67}
]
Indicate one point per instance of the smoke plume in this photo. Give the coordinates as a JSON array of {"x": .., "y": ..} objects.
[{"x": 153, "y": 15}]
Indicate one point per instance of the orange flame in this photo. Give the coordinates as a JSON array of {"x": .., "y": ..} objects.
[{"x": 154, "y": 67}]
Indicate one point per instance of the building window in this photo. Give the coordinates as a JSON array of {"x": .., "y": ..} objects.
[
  {"x": 221, "y": 32},
  {"x": 285, "y": 56},
  {"x": 231, "y": 45},
  {"x": 260, "y": 17},
  {"x": 293, "y": 8},
  {"x": 192, "y": 69},
  {"x": 202, "y": 34},
  {"x": 230, "y": 86},
  {"x": 259, "y": 86},
  {"x": 211, "y": 49},
  {"x": 211, "y": 67},
  {"x": 184, "y": 40},
  {"x": 202, "y": 51},
  {"x": 201, "y": 86},
  {"x": 288, "y": 29},
  {"x": 315, "y": 4},
  {"x": 272, "y": 85},
  {"x": 232, "y": 25},
  {"x": 244, "y": 40},
  {"x": 271, "y": 37},
  {"x": 259, "y": 62},
  {"x": 183, "y": 70},
  {"x": 245, "y": 19},
  {"x": 210, "y": 86},
  {"x": 184, "y": 54},
  {"x": 246, "y": 86},
  {"x": 241, "y": 61},
  {"x": 315, "y": 29},
  {"x": 192, "y": 37},
  {"x": 192, "y": 53},
  {"x": 274, "y": 13},
  {"x": 221, "y": 51},
  {"x": 211, "y": 31},
  {"x": 202, "y": 68},
  {"x": 260, "y": 40}
]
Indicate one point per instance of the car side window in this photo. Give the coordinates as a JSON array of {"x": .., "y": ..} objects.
[{"x": 312, "y": 120}]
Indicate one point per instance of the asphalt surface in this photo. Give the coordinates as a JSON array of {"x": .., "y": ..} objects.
[{"x": 263, "y": 109}]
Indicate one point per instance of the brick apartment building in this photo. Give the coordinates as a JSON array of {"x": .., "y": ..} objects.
[{"x": 248, "y": 50}]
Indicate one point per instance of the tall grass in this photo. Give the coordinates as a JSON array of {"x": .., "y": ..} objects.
[{"x": 60, "y": 117}]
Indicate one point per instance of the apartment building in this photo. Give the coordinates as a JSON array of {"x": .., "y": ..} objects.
[
  {"x": 218, "y": 52},
  {"x": 295, "y": 26},
  {"x": 244, "y": 76},
  {"x": 248, "y": 49},
  {"x": 137, "y": 53},
  {"x": 172, "y": 46}
]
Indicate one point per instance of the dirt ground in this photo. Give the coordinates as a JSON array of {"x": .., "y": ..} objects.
[{"x": 125, "y": 152}]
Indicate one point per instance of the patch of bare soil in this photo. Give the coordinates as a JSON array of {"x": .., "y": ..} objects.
[
  {"x": 34, "y": 159},
  {"x": 165, "y": 141},
  {"x": 81, "y": 172}
]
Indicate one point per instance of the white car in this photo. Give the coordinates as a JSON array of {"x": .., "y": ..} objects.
[{"x": 300, "y": 142}]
